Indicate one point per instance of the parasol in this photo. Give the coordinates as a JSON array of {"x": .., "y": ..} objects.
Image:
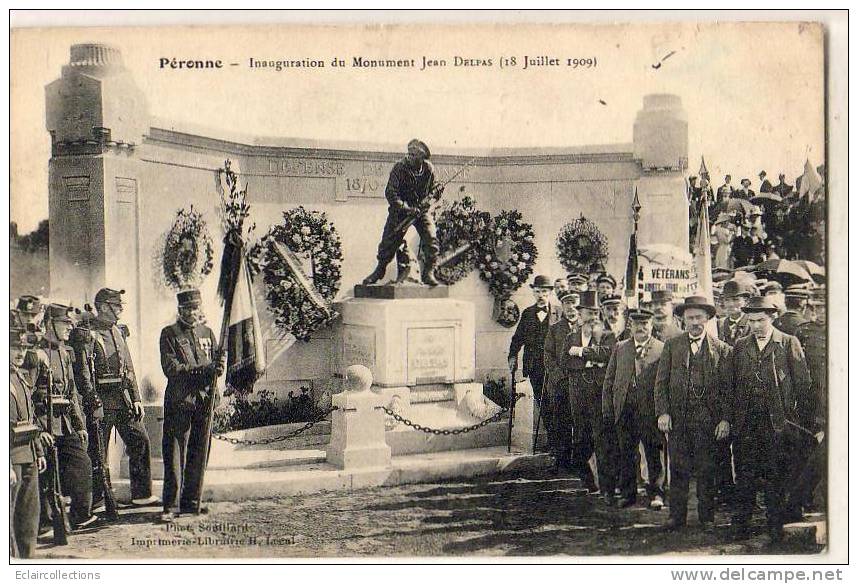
[
  {"x": 787, "y": 272},
  {"x": 741, "y": 205},
  {"x": 816, "y": 271}
]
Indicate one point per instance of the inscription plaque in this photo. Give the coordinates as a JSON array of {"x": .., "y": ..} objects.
[{"x": 430, "y": 355}]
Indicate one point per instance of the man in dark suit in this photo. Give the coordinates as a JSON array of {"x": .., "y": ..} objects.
[
  {"x": 627, "y": 404},
  {"x": 782, "y": 188},
  {"x": 745, "y": 192},
  {"x": 555, "y": 402},
  {"x": 664, "y": 323},
  {"x": 690, "y": 409},
  {"x": 795, "y": 301},
  {"x": 191, "y": 361},
  {"x": 530, "y": 334},
  {"x": 770, "y": 400},
  {"x": 586, "y": 352},
  {"x": 734, "y": 325},
  {"x": 26, "y": 455}
]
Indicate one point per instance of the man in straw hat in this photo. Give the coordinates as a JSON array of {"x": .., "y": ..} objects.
[
  {"x": 627, "y": 404},
  {"x": 191, "y": 361},
  {"x": 530, "y": 335},
  {"x": 411, "y": 180},
  {"x": 769, "y": 403},
  {"x": 690, "y": 408}
]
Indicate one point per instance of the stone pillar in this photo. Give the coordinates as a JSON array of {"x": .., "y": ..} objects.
[
  {"x": 661, "y": 146},
  {"x": 524, "y": 423},
  {"x": 357, "y": 427},
  {"x": 96, "y": 116}
]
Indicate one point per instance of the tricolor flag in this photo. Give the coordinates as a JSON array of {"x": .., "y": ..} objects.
[
  {"x": 242, "y": 339},
  {"x": 632, "y": 272}
]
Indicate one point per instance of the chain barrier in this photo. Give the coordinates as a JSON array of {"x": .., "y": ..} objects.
[
  {"x": 455, "y": 431},
  {"x": 264, "y": 441}
]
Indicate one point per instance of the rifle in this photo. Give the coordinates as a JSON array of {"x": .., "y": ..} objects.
[
  {"x": 55, "y": 497},
  {"x": 511, "y": 408},
  {"x": 99, "y": 466},
  {"x": 431, "y": 196}
]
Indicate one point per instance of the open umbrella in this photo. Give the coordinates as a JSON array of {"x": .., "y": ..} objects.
[
  {"x": 767, "y": 199},
  {"x": 816, "y": 271},
  {"x": 787, "y": 272}
]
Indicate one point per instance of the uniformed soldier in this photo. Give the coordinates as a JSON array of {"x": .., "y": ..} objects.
[
  {"x": 613, "y": 316},
  {"x": 734, "y": 325},
  {"x": 30, "y": 313},
  {"x": 27, "y": 458},
  {"x": 108, "y": 371},
  {"x": 664, "y": 323},
  {"x": 795, "y": 300},
  {"x": 191, "y": 361},
  {"x": 68, "y": 426},
  {"x": 690, "y": 407},
  {"x": 555, "y": 400},
  {"x": 579, "y": 282},
  {"x": 586, "y": 352},
  {"x": 769, "y": 387},
  {"x": 627, "y": 404}
]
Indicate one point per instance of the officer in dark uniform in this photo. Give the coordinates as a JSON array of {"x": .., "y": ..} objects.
[
  {"x": 27, "y": 458},
  {"x": 191, "y": 361},
  {"x": 555, "y": 401},
  {"x": 795, "y": 299},
  {"x": 68, "y": 426},
  {"x": 769, "y": 387},
  {"x": 29, "y": 314},
  {"x": 605, "y": 286},
  {"x": 411, "y": 180},
  {"x": 105, "y": 367}
]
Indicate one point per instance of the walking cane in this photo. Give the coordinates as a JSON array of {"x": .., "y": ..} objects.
[
  {"x": 511, "y": 409},
  {"x": 539, "y": 420},
  {"x": 667, "y": 460}
]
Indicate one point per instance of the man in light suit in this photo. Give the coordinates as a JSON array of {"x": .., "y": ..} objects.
[
  {"x": 530, "y": 334},
  {"x": 690, "y": 406},
  {"x": 627, "y": 403}
]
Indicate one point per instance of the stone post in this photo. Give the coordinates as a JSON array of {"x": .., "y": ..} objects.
[
  {"x": 524, "y": 423},
  {"x": 357, "y": 427}
]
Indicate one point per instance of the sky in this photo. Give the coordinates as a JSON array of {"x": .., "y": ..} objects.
[{"x": 753, "y": 93}]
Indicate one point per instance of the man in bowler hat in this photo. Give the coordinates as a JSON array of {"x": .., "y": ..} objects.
[
  {"x": 530, "y": 335},
  {"x": 664, "y": 324},
  {"x": 770, "y": 401},
  {"x": 691, "y": 410},
  {"x": 191, "y": 361},
  {"x": 734, "y": 325}
]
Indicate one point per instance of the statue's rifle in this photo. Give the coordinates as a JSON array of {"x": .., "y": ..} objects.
[
  {"x": 434, "y": 194},
  {"x": 55, "y": 496}
]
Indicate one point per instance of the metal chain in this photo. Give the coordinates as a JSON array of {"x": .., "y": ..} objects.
[
  {"x": 455, "y": 431},
  {"x": 263, "y": 441}
]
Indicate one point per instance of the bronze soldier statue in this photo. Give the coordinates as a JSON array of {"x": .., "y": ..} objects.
[{"x": 409, "y": 190}]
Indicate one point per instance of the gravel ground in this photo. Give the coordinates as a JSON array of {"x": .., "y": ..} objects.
[{"x": 528, "y": 514}]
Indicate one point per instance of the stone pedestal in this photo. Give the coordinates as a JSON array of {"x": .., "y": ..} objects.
[
  {"x": 357, "y": 431},
  {"x": 524, "y": 422}
]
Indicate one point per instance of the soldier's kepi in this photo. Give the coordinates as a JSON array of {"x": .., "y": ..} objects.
[{"x": 192, "y": 362}]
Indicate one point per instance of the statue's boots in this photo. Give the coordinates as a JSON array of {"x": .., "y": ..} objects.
[
  {"x": 376, "y": 275},
  {"x": 429, "y": 276}
]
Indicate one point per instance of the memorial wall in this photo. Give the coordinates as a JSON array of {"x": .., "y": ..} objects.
[{"x": 118, "y": 177}]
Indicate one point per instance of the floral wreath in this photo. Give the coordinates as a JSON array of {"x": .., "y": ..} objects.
[
  {"x": 460, "y": 224},
  {"x": 186, "y": 251},
  {"x": 581, "y": 245},
  {"x": 309, "y": 234},
  {"x": 507, "y": 254}
]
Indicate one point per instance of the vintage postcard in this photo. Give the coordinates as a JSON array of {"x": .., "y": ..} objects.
[{"x": 394, "y": 291}]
